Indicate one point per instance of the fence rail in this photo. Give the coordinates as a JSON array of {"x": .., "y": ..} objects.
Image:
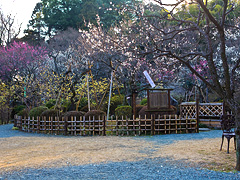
[{"x": 100, "y": 126}]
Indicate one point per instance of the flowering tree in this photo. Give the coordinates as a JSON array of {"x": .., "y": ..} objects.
[
  {"x": 189, "y": 32},
  {"x": 19, "y": 65}
]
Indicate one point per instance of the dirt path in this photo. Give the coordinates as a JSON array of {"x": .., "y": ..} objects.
[{"x": 36, "y": 152}]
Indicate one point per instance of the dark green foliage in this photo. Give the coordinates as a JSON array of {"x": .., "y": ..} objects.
[
  {"x": 49, "y": 17},
  {"x": 51, "y": 103},
  {"x": 37, "y": 111},
  {"x": 88, "y": 11},
  {"x": 59, "y": 15},
  {"x": 83, "y": 103},
  {"x": 18, "y": 108},
  {"x": 95, "y": 114},
  {"x": 34, "y": 34},
  {"x": 51, "y": 113},
  {"x": 116, "y": 101},
  {"x": 123, "y": 111},
  {"x": 144, "y": 102},
  {"x": 23, "y": 113},
  {"x": 109, "y": 12},
  {"x": 65, "y": 105}
]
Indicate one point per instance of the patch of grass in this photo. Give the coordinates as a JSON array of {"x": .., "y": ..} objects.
[{"x": 15, "y": 128}]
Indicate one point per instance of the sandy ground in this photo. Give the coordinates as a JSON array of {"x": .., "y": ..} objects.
[
  {"x": 204, "y": 153},
  {"x": 36, "y": 152}
]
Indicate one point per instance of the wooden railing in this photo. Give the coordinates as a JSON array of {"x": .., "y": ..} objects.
[{"x": 100, "y": 126}]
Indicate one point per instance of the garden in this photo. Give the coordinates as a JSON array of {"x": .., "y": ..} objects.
[{"x": 126, "y": 84}]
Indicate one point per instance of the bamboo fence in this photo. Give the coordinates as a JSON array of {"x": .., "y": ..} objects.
[{"x": 101, "y": 126}]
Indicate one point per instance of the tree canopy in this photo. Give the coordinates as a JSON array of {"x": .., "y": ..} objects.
[{"x": 51, "y": 16}]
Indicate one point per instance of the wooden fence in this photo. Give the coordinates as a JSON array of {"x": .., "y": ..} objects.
[
  {"x": 100, "y": 126},
  {"x": 209, "y": 113}
]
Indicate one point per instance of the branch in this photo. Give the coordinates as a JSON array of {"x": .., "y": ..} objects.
[
  {"x": 194, "y": 71},
  {"x": 167, "y": 4},
  {"x": 209, "y": 15}
]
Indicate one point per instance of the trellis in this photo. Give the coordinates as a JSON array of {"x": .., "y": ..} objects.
[
  {"x": 188, "y": 109},
  {"x": 209, "y": 113}
]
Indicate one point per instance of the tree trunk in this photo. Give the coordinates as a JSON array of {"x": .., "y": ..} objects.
[{"x": 237, "y": 120}]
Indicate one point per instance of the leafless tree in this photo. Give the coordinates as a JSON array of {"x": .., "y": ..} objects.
[{"x": 8, "y": 31}]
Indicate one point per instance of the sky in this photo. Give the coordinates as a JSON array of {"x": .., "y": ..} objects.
[{"x": 22, "y": 10}]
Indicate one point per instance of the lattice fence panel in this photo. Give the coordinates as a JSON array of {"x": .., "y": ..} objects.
[
  {"x": 210, "y": 110},
  {"x": 188, "y": 110}
]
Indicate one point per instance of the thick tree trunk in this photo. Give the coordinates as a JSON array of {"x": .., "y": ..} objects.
[{"x": 237, "y": 120}]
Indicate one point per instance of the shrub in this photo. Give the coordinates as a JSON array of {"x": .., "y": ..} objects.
[
  {"x": 65, "y": 105},
  {"x": 95, "y": 114},
  {"x": 76, "y": 114},
  {"x": 123, "y": 111},
  {"x": 144, "y": 102},
  {"x": 50, "y": 113},
  {"x": 138, "y": 108},
  {"x": 37, "y": 111},
  {"x": 83, "y": 103},
  {"x": 51, "y": 103},
  {"x": 116, "y": 101},
  {"x": 23, "y": 113},
  {"x": 18, "y": 108},
  {"x": 15, "y": 128}
]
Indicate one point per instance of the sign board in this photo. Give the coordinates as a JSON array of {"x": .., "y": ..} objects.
[{"x": 149, "y": 79}]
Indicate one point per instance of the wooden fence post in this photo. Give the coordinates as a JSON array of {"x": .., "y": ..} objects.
[
  {"x": 134, "y": 94},
  {"x": 153, "y": 124},
  {"x": 197, "y": 113},
  {"x": 51, "y": 118},
  {"x": 66, "y": 126},
  {"x": 38, "y": 124},
  {"x": 104, "y": 126},
  {"x": 20, "y": 123}
]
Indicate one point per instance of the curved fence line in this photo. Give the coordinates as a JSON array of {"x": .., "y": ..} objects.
[{"x": 100, "y": 126}]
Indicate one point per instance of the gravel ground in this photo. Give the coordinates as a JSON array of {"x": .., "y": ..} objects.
[{"x": 149, "y": 168}]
